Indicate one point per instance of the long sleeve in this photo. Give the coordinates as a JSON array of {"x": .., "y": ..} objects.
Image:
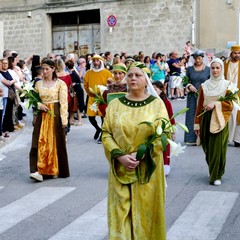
[
  {"x": 63, "y": 100},
  {"x": 199, "y": 109},
  {"x": 86, "y": 79}
]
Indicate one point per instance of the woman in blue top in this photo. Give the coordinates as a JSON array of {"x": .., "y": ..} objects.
[{"x": 158, "y": 69}]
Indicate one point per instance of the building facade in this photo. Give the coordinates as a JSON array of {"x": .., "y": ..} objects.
[
  {"x": 81, "y": 26},
  {"x": 217, "y": 24},
  {"x": 38, "y": 26}
]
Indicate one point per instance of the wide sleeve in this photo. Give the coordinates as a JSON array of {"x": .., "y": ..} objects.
[
  {"x": 220, "y": 115},
  {"x": 86, "y": 84},
  {"x": 63, "y": 100},
  {"x": 112, "y": 150},
  {"x": 199, "y": 109}
]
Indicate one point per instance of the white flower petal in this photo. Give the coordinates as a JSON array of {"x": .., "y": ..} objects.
[
  {"x": 94, "y": 107},
  {"x": 26, "y": 104},
  {"x": 28, "y": 87},
  {"x": 102, "y": 88},
  {"x": 173, "y": 128},
  {"x": 175, "y": 148},
  {"x": 233, "y": 87},
  {"x": 159, "y": 130},
  {"x": 236, "y": 106}
]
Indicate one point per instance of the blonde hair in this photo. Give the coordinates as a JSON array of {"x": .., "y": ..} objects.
[{"x": 60, "y": 65}]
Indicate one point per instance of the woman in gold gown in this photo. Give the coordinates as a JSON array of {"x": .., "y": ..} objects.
[
  {"x": 48, "y": 154},
  {"x": 135, "y": 196}
]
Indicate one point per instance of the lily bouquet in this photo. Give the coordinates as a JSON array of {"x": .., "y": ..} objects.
[
  {"x": 33, "y": 98},
  {"x": 232, "y": 95},
  {"x": 99, "y": 100},
  {"x": 162, "y": 133},
  {"x": 98, "y": 92}
]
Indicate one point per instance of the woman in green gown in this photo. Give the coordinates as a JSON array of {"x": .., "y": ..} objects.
[
  {"x": 136, "y": 192},
  {"x": 211, "y": 120}
]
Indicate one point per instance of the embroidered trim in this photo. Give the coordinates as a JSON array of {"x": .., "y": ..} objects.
[{"x": 131, "y": 103}]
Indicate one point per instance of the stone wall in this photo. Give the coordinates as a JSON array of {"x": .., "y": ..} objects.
[
  {"x": 24, "y": 34},
  {"x": 149, "y": 26},
  {"x": 146, "y": 25}
]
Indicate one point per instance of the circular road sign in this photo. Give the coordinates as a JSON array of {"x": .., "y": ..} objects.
[{"x": 112, "y": 21}]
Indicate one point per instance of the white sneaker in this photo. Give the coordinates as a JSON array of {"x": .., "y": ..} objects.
[
  {"x": 167, "y": 169},
  {"x": 217, "y": 182},
  {"x": 36, "y": 176},
  {"x": 21, "y": 123}
]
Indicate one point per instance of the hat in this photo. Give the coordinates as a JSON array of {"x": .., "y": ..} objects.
[
  {"x": 129, "y": 59},
  {"x": 141, "y": 66},
  {"x": 197, "y": 53},
  {"x": 119, "y": 67},
  {"x": 235, "y": 48},
  {"x": 96, "y": 56}
]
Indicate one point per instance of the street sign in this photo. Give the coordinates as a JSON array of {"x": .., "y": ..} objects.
[{"x": 111, "y": 21}]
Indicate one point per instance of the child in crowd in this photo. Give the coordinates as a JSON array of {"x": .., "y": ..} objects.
[{"x": 158, "y": 86}]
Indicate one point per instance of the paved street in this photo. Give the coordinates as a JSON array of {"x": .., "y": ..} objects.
[{"x": 75, "y": 208}]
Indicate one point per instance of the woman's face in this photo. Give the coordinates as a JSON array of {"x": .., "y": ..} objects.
[
  {"x": 47, "y": 71},
  {"x": 118, "y": 76},
  {"x": 148, "y": 60},
  {"x": 136, "y": 80},
  {"x": 198, "y": 60},
  {"x": 157, "y": 89},
  {"x": 216, "y": 69}
]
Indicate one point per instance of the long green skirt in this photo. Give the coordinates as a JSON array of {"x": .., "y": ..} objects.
[{"x": 214, "y": 147}]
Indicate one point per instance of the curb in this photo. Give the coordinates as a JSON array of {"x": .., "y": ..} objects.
[{"x": 12, "y": 137}]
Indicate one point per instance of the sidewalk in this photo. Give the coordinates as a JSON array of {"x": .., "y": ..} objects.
[{"x": 16, "y": 133}]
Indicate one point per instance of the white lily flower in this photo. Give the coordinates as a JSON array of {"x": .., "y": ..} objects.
[
  {"x": 173, "y": 128},
  {"x": 91, "y": 90},
  {"x": 28, "y": 87},
  {"x": 23, "y": 94},
  {"x": 175, "y": 148},
  {"x": 102, "y": 88},
  {"x": 236, "y": 106},
  {"x": 183, "y": 127},
  {"x": 94, "y": 107},
  {"x": 233, "y": 87},
  {"x": 159, "y": 130},
  {"x": 26, "y": 104}
]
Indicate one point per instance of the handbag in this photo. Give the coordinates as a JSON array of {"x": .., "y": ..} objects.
[
  {"x": 72, "y": 92},
  {"x": 11, "y": 93}
]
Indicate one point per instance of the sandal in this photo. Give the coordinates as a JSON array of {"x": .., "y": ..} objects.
[
  {"x": 79, "y": 124},
  {"x": 6, "y": 135}
]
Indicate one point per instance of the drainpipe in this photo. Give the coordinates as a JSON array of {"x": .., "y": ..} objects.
[{"x": 193, "y": 22}]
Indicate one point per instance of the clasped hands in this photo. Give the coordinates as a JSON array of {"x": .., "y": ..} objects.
[{"x": 129, "y": 161}]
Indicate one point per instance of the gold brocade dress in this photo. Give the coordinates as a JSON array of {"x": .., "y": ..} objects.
[
  {"x": 48, "y": 154},
  {"x": 135, "y": 210}
]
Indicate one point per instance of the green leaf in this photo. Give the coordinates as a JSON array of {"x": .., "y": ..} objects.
[
  {"x": 180, "y": 112},
  {"x": 141, "y": 151},
  {"x": 164, "y": 141},
  {"x": 163, "y": 125},
  {"x": 146, "y": 122}
]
